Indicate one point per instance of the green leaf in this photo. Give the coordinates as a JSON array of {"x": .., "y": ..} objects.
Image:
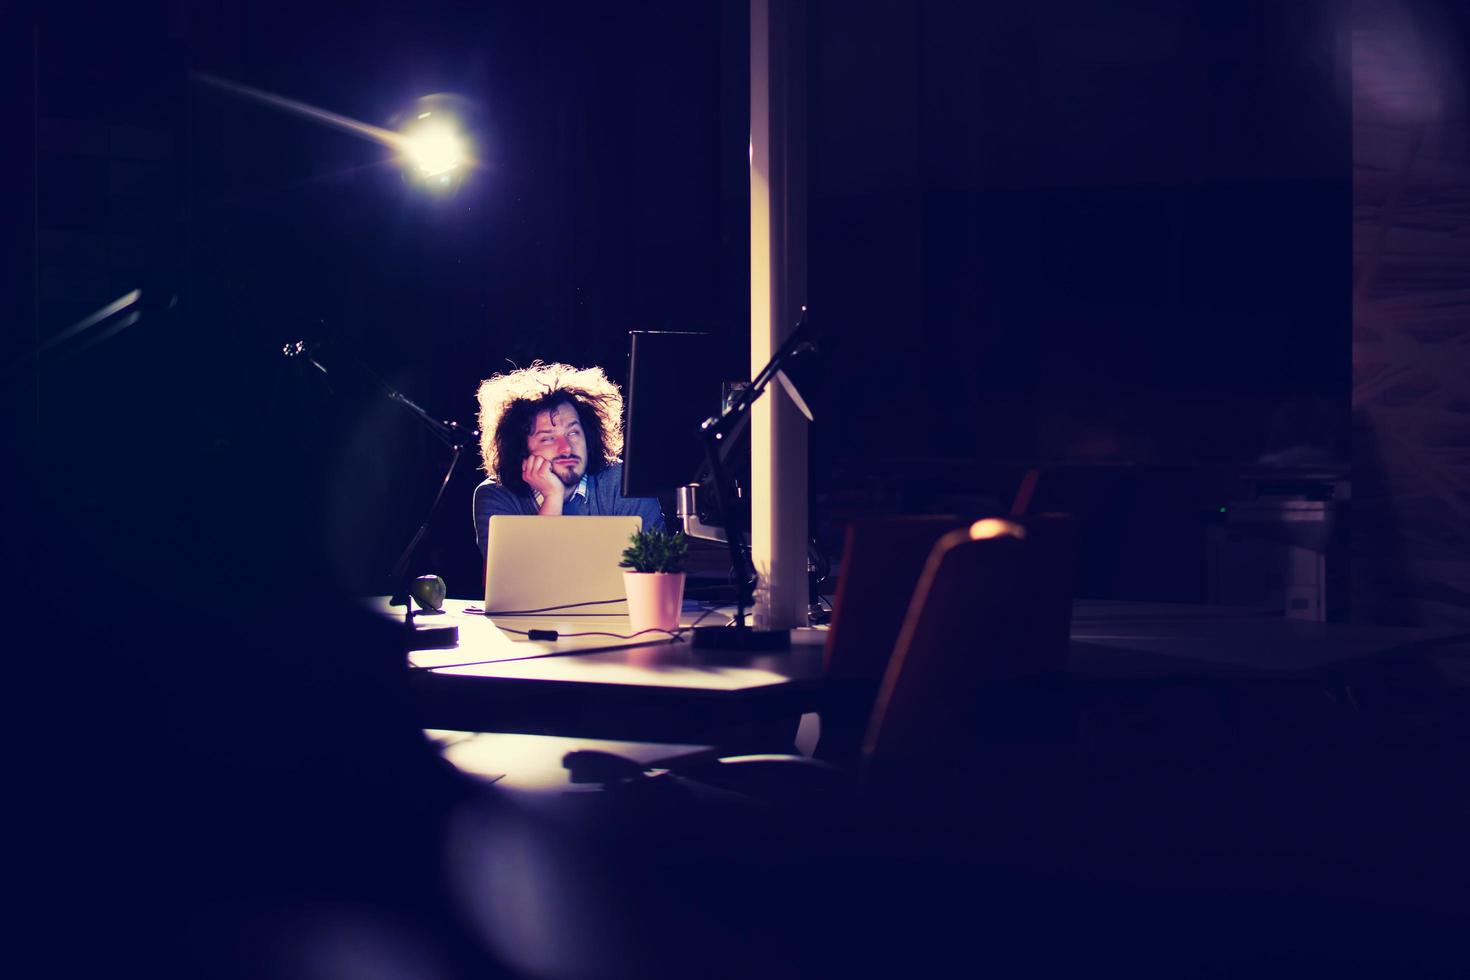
[{"x": 655, "y": 551}]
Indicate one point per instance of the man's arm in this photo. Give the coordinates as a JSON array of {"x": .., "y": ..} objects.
[{"x": 541, "y": 477}]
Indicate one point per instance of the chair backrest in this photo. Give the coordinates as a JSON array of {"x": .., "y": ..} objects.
[
  {"x": 881, "y": 562},
  {"x": 993, "y": 603},
  {"x": 1050, "y": 576}
]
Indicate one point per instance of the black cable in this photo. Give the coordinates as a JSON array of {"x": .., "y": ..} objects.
[
  {"x": 475, "y": 610},
  {"x": 554, "y": 635},
  {"x": 532, "y": 612},
  {"x": 674, "y": 637}
]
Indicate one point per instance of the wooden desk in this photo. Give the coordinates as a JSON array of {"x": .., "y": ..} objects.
[{"x": 600, "y": 687}]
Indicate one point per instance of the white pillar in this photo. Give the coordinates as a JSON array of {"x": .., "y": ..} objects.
[{"x": 778, "y": 491}]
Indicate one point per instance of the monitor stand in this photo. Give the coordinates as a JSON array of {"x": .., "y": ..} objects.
[{"x": 687, "y": 507}]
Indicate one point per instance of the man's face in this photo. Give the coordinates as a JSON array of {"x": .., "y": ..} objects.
[{"x": 557, "y": 436}]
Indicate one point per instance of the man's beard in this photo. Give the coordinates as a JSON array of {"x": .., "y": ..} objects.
[{"x": 571, "y": 477}]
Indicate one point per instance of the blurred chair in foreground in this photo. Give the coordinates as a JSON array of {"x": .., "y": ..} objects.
[
  {"x": 881, "y": 563},
  {"x": 978, "y": 658},
  {"x": 983, "y": 647}
]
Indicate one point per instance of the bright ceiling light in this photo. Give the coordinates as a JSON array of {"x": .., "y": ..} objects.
[{"x": 434, "y": 146}]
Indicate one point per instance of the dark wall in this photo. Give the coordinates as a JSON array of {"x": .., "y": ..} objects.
[
  {"x": 1050, "y": 222},
  {"x": 1079, "y": 235}
]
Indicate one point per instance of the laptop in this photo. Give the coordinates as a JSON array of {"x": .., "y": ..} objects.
[{"x": 571, "y": 562}]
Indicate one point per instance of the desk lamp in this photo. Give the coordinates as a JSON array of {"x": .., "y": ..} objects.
[
  {"x": 453, "y": 435},
  {"x": 717, "y": 433}
]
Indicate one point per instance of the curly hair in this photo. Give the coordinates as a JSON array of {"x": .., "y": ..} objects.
[{"x": 510, "y": 402}]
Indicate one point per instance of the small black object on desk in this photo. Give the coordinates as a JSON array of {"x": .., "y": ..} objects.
[{"x": 717, "y": 433}]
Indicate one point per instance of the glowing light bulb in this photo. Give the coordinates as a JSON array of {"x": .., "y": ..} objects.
[{"x": 435, "y": 148}]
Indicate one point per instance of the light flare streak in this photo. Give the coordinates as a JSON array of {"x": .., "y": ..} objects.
[
  {"x": 432, "y": 145},
  {"x": 347, "y": 124}
]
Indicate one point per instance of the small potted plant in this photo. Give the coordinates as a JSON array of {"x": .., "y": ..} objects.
[{"x": 654, "y": 578}]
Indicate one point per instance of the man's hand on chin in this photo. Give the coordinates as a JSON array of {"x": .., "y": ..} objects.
[{"x": 541, "y": 477}]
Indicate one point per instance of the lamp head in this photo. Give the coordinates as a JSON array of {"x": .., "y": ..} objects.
[{"x": 433, "y": 140}]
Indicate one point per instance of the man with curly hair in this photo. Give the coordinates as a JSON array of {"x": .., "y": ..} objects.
[{"x": 550, "y": 437}]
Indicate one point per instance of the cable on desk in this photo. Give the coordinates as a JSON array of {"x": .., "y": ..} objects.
[
  {"x": 571, "y": 605},
  {"x": 532, "y": 612},
  {"x": 554, "y": 635},
  {"x": 674, "y": 635}
]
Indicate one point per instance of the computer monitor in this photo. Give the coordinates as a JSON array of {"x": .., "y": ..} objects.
[{"x": 674, "y": 384}]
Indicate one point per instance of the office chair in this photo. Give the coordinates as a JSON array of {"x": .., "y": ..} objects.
[
  {"x": 971, "y": 708},
  {"x": 881, "y": 563},
  {"x": 1050, "y": 573},
  {"x": 962, "y": 626},
  {"x": 987, "y": 626},
  {"x": 881, "y": 568}
]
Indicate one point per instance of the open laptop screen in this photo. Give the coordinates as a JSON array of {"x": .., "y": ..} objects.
[{"x": 571, "y": 561}]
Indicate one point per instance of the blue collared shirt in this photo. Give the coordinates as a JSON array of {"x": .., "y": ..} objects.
[{"x": 581, "y": 491}]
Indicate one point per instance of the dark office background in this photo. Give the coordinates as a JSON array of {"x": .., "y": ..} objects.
[{"x": 1110, "y": 240}]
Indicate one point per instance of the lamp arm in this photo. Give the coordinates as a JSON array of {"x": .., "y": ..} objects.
[
  {"x": 731, "y": 517},
  {"x": 717, "y": 433}
]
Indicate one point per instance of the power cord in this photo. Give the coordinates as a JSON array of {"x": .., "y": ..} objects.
[
  {"x": 553, "y": 635},
  {"x": 674, "y": 637},
  {"x": 571, "y": 605},
  {"x": 543, "y": 609}
]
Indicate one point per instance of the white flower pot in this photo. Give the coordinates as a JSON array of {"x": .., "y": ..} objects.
[{"x": 654, "y": 599}]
